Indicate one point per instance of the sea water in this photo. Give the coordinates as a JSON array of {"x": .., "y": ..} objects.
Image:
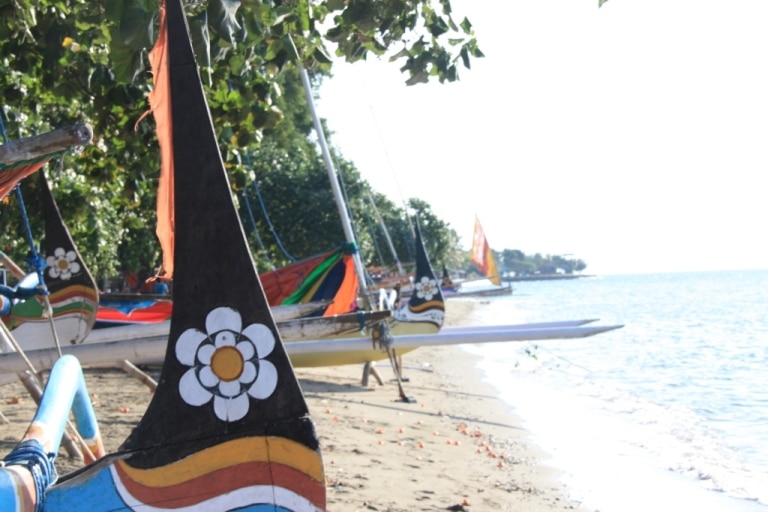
[{"x": 668, "y": 413}]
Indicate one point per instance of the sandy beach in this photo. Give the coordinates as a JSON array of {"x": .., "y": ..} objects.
[{"x": 455, "y": 447}]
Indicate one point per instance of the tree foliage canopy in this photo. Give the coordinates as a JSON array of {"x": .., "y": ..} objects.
[
  {"x": 65, "y": 61},
  {"x": 521, "y": 264}
]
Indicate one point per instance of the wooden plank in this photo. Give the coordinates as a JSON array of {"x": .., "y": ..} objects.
[{"x": 38, "y": 146}]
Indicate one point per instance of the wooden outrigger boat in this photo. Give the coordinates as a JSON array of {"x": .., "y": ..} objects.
[
  {"x": 131, "y": 310},
  {"x": 74, "y": 299},
  {"x": 296, "y": 329},
  {"x": 318, "y": 286},
  {"x": 482, "y": 257},
  {"x": 228, "y": 427},
  {"x": 72, "y": 292},
  {"x": 66, "y": 307},
  {"x": 424, "y": 312}
]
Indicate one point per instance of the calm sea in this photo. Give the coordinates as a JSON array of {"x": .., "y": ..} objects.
[{"x": 668, "y": 413}]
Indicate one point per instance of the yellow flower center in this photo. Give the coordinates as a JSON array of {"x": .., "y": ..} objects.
[
  {"x": 63, "y": 264},
  {"x": 227, "y": 363}
]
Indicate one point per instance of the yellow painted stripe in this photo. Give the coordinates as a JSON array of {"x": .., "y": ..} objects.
[
  {"x": 433, "y": 304},
  {"x": 318, "y": 282},
  {"x": 249, "y": 449}
]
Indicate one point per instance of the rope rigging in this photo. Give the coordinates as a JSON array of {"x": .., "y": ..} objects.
[
  {"x": 256, "y": 230},
  {"x": 372, "y": 230},
  {"x": 266, "y": 215}
]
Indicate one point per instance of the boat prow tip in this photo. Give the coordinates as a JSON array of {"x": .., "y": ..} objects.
[{"x": 606, "y": 328}]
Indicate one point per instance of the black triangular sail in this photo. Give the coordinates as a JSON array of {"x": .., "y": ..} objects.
[
  {"x": 228, "y": 427},
  {"x": 72, "y": 290},
  {"x": 426, "y": 304},
  {"x": 213, "y": 265}
]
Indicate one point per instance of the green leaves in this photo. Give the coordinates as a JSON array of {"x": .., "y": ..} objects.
[
  {"x": 135, "y": 27},
  {"x": 130, "y": 36},
  {"x": 67, "y": 60},
  {"x": 423, "y": 32},
  {"x": 423, "y": 35}
]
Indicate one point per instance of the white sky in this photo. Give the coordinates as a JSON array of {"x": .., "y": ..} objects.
[{"x": 632, "y": 136}]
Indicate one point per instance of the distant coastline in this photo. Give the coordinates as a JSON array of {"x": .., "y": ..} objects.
[{"x": 544, "y": 277}]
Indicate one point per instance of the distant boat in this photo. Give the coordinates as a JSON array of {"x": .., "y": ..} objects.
[{"x": 482, "y": 257}]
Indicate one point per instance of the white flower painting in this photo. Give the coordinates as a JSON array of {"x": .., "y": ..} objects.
[
  {"x": 62, "y": 264},
  {"x": 426, "y": 288},
  {"x": 226, "y": 364}
]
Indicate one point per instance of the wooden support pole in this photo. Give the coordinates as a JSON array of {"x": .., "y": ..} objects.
[
  {"x": 31, "y": 148},
  {"x": 12, "y": 266},
  {"x": 368, "y": 370},
  {"x": 132, "y": 370}
]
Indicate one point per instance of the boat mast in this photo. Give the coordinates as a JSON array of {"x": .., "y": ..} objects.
[
  {"x": 340, "y": 204},
  {"x": 386, "y": 235}
]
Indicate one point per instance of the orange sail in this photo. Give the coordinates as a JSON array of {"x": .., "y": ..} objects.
[
  {"x": 482, "y": 257},
  {"x": 160, "y": 102}
]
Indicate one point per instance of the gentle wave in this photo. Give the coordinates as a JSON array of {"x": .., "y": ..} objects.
[{"x": 679, "y": 390}]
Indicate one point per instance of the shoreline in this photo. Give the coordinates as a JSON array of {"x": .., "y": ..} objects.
[{"x": 457, "y": 447}]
